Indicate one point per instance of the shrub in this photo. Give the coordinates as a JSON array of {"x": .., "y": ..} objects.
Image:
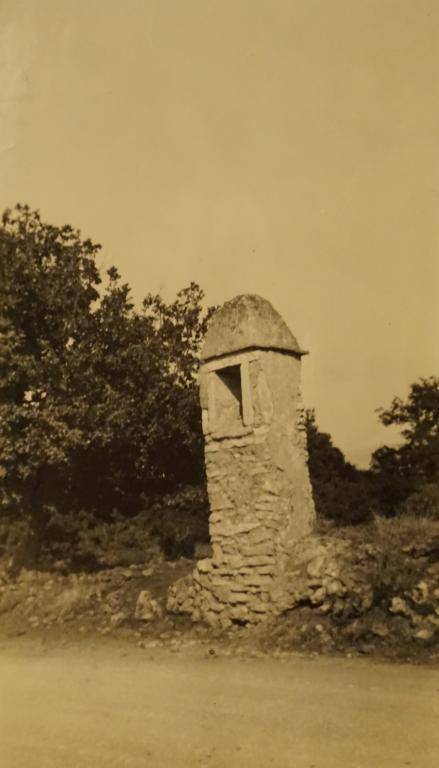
[
  {"x": 392, "y": 568},
  {"x": 181, "y": 521},
  {"x": 424, "y": 503},
  {"x": 170, "y": 524}
]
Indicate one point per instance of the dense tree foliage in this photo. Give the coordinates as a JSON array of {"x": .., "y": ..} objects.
[
  {"x": 414, "y": 465},
  {"x": 98, "y": 402},
  {"x": 341, "y": 492},
  {"x": 401, "y": 479}
]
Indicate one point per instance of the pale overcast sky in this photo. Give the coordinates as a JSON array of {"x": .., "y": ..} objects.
[{"x": 282, "y": 147}]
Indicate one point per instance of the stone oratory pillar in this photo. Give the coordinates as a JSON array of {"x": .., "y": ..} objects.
[{"x": 256, "y": 465}]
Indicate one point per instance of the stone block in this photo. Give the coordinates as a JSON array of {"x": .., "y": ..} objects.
[
  {"x": 254, "y": 550},
  {"x": 235, "y": 562},
  {"x": 237, "y": 585},
  {"x": 202, "y": 579},
  {"x": 217, "y": 555},
  {"x": 187, "y": 606},
  {"x": 211, "y": 618},
  {"x": 216, "y": 605},
  {"x": 335, "y": 587},
  {"x": 206, "y": 602},
  {"x": 205, "y": 566},
  {"x": 258, "y": 606},
  {"x": 419, "y": 594},
  {"x": 260, "y": 535},
  {"x": 257, "y": 580},
  {"x": 224, "y": 572},
  {"x": 257, "y": 560},
  {"x": 211, "y": 447},
  {"x": 278, "y": 591},
  {"x": 398, "y": 605},
  {"x": 316, "y": 567},
  {"x": 146, "y": 607},
  {"x": 224, "y": 621},
  {"x": 239, "y": 597},
  {"x": 266, "y": 570},
  {"x": 318, "y": 596},
  {"x": 238, "y": 612},
  {"x": 222, "y": 593},
  {"x": 235, "y": 529}
]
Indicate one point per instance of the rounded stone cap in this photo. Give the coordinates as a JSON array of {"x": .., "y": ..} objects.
[{"x": 247, "y": 322}]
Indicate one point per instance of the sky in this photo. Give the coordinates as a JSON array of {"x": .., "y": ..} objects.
[{"x": 287, "y": 148}]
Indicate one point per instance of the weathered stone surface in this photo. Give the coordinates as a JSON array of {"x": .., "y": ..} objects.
[
  {"x": 210, "y": 617},
  {"x": 223, "y": 593},
  {"x": 117, "y": 619},
  {"x": 399, "y": 605},
  {"x": 315, "y": 568},
  {"x": 146, "y": 607},
  {"x": 257, "y": 580},
  {"x": 380, "y": 629},
  {"x": 260, "y": 607},
  {"x": 230, "y": 529},
  {"x": 205, "y": 566},
  {"x": 317, "y": 597},
  {"x": 238, "y": 597},
  {"x": 247, "y": 322},
  {"x": 217, "y": 555},
  {"x": 335, "y": 587},
  {"x": 256, "y": 550},
  {"x": 259, "y": 535},
  {"x": 256, "y": 460},
  {"x": 181, "y": 596},
  {"x": 256, "y": 561}
]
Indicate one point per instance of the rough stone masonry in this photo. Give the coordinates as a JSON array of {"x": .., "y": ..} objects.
[{"x": 256, "y": 465}]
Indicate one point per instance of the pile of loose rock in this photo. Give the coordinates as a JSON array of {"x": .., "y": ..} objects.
[
  {"x": 348, "y": 582},
  {"x": 97, "y": 601},
  {"x": 345, "y": 582},
  {"x": 420, "y": 606}
]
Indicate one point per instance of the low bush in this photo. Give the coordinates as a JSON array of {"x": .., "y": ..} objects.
[
  {"x": 424, "y": 503},
  {"x": 12, "y": 531},
  {"x": 393, "y": 568},
  {"x": 181, "y": 521},
  {"x": 170, "y": 525}
]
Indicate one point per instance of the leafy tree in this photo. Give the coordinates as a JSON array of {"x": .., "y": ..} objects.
[
  {"x": 418, "y": 457},
  {"x": 48, "y": 285},
  {"x": 404, "y": 470},
  {"x": 341, "y": 491},
  {"x": 98, "y": 402}
]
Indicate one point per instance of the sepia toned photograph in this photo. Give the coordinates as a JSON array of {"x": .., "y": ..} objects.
[{"x": 219, "y": 384}]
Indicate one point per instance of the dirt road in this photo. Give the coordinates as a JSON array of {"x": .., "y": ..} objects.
[{"x": 136, "y": 708}]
